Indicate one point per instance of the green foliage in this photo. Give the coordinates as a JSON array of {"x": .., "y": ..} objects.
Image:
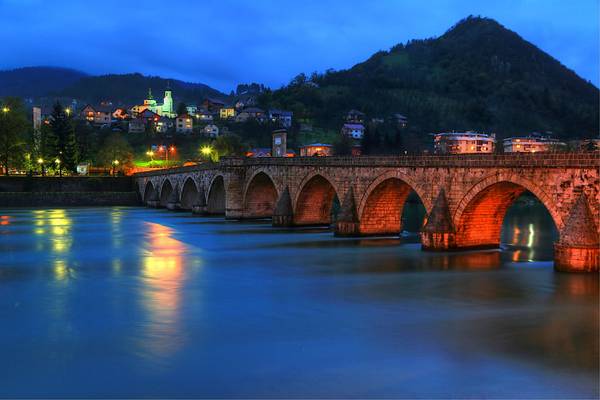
[
  {"x": 181, "y": 108},
  {"x": 343, "y": 146},
  {"x": 61, "y": 139},
  {"x": 115, "y": 147},
  {"x": 13, "y": 127},
  {"x": 227, "y": 145},
  {"x": 477, "y": 76}
]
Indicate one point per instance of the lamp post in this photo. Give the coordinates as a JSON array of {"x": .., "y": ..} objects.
[
  {"x": 115, "y": 164},
  {"x": 57, "y": 161},
  {"x": 40, "y": 162}
]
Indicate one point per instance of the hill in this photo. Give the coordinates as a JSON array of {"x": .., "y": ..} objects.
[
  {"x": 36, "y": 81},
  {"x": 132, "y": 88},
  {"x": 476, "y": 76}
]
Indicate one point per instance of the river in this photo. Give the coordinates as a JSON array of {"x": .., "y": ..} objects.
[{"x": 133, "y": 302}]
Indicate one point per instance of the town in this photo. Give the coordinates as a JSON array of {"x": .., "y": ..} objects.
[{"x": 118, "y": 139}]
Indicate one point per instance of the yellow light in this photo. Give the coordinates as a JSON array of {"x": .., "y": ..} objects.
[
  {"x": 206, "y": 150},
  {"x": 40, "y": 160},
  {"x": 116, "y": 162},
  {"x": 57, "y": 161},
  {"x": 5, "y": 109},
  {"x": 68, "y": 111}
]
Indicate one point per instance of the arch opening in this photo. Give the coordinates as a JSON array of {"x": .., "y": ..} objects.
[
  {"x": 383, "y": 209},
  {"x": 148, "y": 192},
  {"x": 261, "y": 197},
  {"x": 216, "y": 197},
  {"x": 188, "y": 194},
  {"x": 315, "y": 203},
  {"x": 165, "y": 192},
  {"x": 413, "y": 214},
  {"x": 506, "y": 213}
]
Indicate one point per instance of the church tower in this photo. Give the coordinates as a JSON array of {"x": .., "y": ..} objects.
[{"x": 167, "y": 107}]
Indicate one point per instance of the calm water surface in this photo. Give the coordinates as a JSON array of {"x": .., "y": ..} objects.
[{"x": 134, "y": 302}]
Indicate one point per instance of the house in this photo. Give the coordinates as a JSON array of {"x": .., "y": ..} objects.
[
  {"x": 355, "y": 117},
  {"x": 531, "y": 144},
  {"x": 163, "y": 125},
  {"x": 211, "y": 130},
  {"x": 137, "y": 125},
  {"x": 463, "y": 143},
  {"x": 213, "y": 105},
  {"x": 281, "y": 117},
  {"x": 259, "y": 152},
  {"x": 120, "y": 113},
  {"x": 251, "y": 113},
  {"x": 227, "y": 112},
  {"x": 191, "y": 109},
  {"x": 184, "y": 123},
  {"x": 202, "y": 114},
  {"x": 148, "y": 116},
  {"x": 355, "y": 131},
  {"x": 279, "y": 143},
  {"x": 100, "y": 115},
  {"x": 400, "y": 120},
  {"x": 316, "y": 150}
]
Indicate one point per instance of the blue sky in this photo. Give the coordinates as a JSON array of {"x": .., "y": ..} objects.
[{"x": 222, "y": 43}]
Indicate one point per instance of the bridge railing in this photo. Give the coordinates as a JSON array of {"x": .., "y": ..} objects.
[{"x": 526, "y": 160}]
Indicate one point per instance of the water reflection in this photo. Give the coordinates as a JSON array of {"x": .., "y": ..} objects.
[{"x": 163, "y": 276}]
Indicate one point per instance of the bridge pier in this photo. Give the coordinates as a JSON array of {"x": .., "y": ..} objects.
[
  {"x": 173, "y": 200},
  {"x": 578, "y": 247},
  {"x": 283, "y": 215},
  {"x": 154, "y": 200},
  {"x": 200, "y": 207},
  {"x": 438, "y": 233},
  {"x": 347, "y": 223}
]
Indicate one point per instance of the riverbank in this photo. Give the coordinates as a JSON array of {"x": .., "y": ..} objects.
[{"x": 23, "y": 191}]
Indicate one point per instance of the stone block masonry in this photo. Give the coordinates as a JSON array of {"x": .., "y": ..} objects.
[{"x": 477, "y": 191}]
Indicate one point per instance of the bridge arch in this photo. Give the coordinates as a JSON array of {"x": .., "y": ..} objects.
[
  {"x": 165, "y": 192},
  {"x": 149, "y": 191},
  {"x": 260, "y": 196},
  {"x": 380, "y": 208},
  {"x": 480, "y": 213},
  {"x": 314, "y": 200},
  {"x": 189, "y": 193},
  {"x": 217, "y": 195}
]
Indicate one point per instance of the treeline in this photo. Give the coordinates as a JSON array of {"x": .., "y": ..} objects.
[{"x": 477, "y": 76}]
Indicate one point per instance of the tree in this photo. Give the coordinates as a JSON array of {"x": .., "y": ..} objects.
[
  {"x": 13, "y": 124},
  {"x": 62, "y": 139},
  {"x": 227, "y": 145},
  {"x": 181, "y": 108},
  {"x": 343, "y": 146},
  {"x": 115, "y": 151}
]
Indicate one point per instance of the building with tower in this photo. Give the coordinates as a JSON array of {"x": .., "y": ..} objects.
[{"x": 164, "y": 110}]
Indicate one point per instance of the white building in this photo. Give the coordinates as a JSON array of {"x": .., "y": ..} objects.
[
  {"x": 355, "y": 131},
  {"x": 211, "y": 130},
  {"x": 184, "y": 124},
  {"x": 531, "y": 144},
  {"x": 463, "y": 143}
]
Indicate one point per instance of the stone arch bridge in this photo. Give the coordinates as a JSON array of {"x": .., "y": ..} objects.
[{"x": 465, "y": 197}]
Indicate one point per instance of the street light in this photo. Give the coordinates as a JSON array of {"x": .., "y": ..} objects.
[
  {"x": 5, "y": 109},
  {"x": 115, "y": 163},
  {"x": 68, "y": 111},
  {"x": 57, "y": 161},
  {"x": 40, "y": 162},
  {"x": 206, "y": 150}
]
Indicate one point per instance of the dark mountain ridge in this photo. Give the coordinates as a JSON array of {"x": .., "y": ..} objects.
[
  {"x": 478, "y": 75},
  {"x": 35, "y": 82}
]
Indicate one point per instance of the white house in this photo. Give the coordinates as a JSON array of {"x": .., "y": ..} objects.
[{"x": 211, "y": 130}]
